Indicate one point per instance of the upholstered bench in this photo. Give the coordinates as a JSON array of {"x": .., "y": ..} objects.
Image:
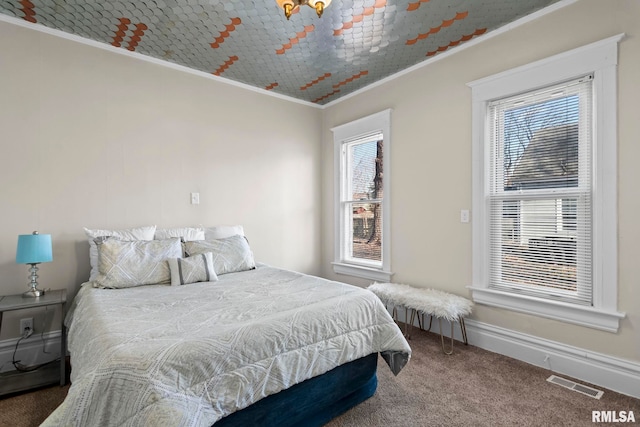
[{"x": 421, "y": 301}]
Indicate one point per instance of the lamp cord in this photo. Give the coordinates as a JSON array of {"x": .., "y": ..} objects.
[{"x": 24, "y": 368}]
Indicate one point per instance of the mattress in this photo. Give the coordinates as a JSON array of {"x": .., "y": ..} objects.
[{"x": 191, "y": 355}]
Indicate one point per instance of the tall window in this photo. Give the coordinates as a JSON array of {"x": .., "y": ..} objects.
[
  {"x": 540, "y": 192},
  {"x": 362, "y": 213},
  {"x": 361, "y": 199},
  {"x": 544, "y": 188}
]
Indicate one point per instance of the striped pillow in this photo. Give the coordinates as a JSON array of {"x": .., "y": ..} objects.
[{"x": 198, "y": 268}]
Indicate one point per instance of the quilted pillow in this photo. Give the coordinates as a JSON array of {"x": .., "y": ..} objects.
[
  {"x": 229, "y": 255},
  {"x": 186, "y": 233},
  {"x": 198, "y": 268},
  {"x": 138, "y": 233},
  {"x": 124, "y": 264}
]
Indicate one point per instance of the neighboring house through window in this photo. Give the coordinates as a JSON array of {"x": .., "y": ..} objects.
[
  {"x": 544, "y": 189},
  {"x": 540, "y": 145},
  {"x": 361, "y": 150}
]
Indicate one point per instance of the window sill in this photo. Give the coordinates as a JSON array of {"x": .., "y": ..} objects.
[
  {"x": 590, "y": 317},
  {"x": 361, "y": 271}
]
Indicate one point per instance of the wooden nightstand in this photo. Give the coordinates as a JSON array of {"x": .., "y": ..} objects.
[{"x": 14, "y": 381}]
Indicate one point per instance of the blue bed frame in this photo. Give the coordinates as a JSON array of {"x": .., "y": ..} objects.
[{"x": 313, "y": 402}]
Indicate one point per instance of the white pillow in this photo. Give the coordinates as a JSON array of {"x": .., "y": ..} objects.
[
  {"x": 124, "y": 264},
  {"x": 130, "y": 234},
  {"x": 198, "y": 268},
  {"x": 230, "y": 255},
  {"x": 187, "y": 234},
  {"x": 223, "y": 231}
]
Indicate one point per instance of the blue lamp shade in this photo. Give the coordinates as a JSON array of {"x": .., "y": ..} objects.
[{"x": 34, "y": 248}]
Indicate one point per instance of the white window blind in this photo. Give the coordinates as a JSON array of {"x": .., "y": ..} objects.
[
  {"x": 539, "y": 192},
  {"x": 361, "y": 199}
]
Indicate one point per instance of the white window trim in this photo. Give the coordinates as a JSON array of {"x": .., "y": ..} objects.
[
  {"x": 376, "y": 122},
  {"x": 599, "y": 58}
]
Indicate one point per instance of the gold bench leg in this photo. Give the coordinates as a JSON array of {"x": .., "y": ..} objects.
[
  {"x": 463, "y": 329},
  {"x": 408, "y": 321},
  {"x": 450, "y": 352},
  {"x": 421, "y": 322},
  {"x": 394, "y": 316},
  {"x": 408, "y": 325}
]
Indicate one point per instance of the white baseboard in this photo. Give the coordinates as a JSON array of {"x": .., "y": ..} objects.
[
  {"x": 606, "y": 371},
  {"x": 622, "y": 376},
  {"x": 30, "y": 350}
]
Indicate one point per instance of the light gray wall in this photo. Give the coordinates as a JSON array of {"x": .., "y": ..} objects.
[
  {"x": 431, "y": 164},
  {"x": 97, "y": 139}
]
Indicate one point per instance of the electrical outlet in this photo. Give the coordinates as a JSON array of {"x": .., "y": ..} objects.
[
  {"x": 26, "y": 324},
  {"x": 464, "y": 215}
]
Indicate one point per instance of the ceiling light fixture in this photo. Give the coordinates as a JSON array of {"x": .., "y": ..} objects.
[{"x": 289, "y": 5}]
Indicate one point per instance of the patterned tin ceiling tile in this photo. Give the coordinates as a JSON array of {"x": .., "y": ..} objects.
[{"x": 354, "y": 44}]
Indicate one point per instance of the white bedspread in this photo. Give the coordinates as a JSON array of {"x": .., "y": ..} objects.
[{"x": 189, "y": 355}]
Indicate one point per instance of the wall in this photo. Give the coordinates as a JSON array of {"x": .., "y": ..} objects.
[
  {"x": 97, "y": 139},
  {"x": 91, "y": 138},
  {"x": 431, "y": 164}
]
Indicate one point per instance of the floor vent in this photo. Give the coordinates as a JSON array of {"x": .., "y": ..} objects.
[{"x": 572, "y": 385}]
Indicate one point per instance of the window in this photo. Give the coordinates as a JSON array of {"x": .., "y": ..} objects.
[
  {"x": 544, "y": 188},
  {"x": 540, "y": 146},
  {"x": 362, "y": 194}
]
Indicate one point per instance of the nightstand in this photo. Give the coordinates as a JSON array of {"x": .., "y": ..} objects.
[{"x": 14, "y": 381}]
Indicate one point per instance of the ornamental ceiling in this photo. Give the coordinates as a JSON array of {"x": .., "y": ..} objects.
[{"x": 354, "y": 44}]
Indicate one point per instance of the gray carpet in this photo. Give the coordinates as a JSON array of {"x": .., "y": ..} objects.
[
  {"x": 30, "y": 409},
  {"x": 473, "y": 387}
]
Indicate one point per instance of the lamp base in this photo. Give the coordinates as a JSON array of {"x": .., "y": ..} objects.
[
  {"x": 33, "y": 290},
  {"x": 33, "y": 293}
]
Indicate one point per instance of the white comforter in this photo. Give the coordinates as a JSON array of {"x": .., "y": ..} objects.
[{"x": 189, "y": 355}]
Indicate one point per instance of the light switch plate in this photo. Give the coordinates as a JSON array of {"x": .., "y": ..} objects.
[{"x": 195, "y": 198}]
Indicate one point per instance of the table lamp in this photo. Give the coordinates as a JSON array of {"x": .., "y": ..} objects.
[{"x": 34, "y": 249}]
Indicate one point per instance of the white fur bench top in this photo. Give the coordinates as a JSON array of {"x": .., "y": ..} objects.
[{"x": 429, "y": 301}]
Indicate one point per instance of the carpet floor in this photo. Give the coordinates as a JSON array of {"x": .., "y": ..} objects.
[{"x": 472, "y": 387}]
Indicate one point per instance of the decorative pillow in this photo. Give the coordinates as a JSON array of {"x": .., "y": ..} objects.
[
  {"x": 223, "y": 231},
  {"x": 229, "y": 255},
  {"x": 124, "y": 264},
  {"x": 139, "y": 233},
  {"x": 198, "y": 268},
  {"x": 186, "y": 233}
]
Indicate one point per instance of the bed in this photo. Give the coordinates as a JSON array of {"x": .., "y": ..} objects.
[{"x": 263, "y": 346}]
